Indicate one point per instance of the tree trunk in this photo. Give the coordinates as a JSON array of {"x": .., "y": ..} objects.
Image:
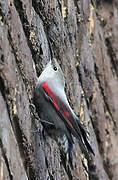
[{"x": 84, "y": 38}]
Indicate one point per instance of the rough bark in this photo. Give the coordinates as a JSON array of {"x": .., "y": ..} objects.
[{"x": 84, "y": 38}]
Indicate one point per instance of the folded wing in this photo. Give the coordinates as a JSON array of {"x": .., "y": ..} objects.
[{"x": 66, "y": 115}]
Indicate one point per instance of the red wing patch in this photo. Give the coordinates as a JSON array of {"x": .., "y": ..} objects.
[
  {"x": 67, "y": 116},
  {"x": 59, "y": 105},
  {"x": 51, "y": 94}
]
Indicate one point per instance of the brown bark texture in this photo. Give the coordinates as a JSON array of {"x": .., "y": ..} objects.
[{"x": 84, "y": 39}]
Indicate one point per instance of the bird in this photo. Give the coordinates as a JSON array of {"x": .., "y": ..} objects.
[{"x": 53, "y": 107}]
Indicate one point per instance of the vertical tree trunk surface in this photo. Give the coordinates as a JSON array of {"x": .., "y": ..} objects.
[{"x": 84, "y": 38}]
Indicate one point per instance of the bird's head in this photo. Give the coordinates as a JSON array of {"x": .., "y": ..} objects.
[{"x": 53, "y": 72}]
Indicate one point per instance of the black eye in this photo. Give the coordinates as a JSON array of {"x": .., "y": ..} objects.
[{"x": 55, "y": 68}]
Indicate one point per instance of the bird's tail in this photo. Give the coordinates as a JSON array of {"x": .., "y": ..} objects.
[{"x": 85, "y": 138}]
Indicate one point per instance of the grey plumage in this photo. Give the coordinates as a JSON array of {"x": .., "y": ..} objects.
[{"x": 52, "y": 105}]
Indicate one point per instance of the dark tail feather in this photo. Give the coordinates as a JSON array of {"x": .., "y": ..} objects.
[
  {"x": 88, "y": 145},
  {"x": 84, "y": 136}
]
